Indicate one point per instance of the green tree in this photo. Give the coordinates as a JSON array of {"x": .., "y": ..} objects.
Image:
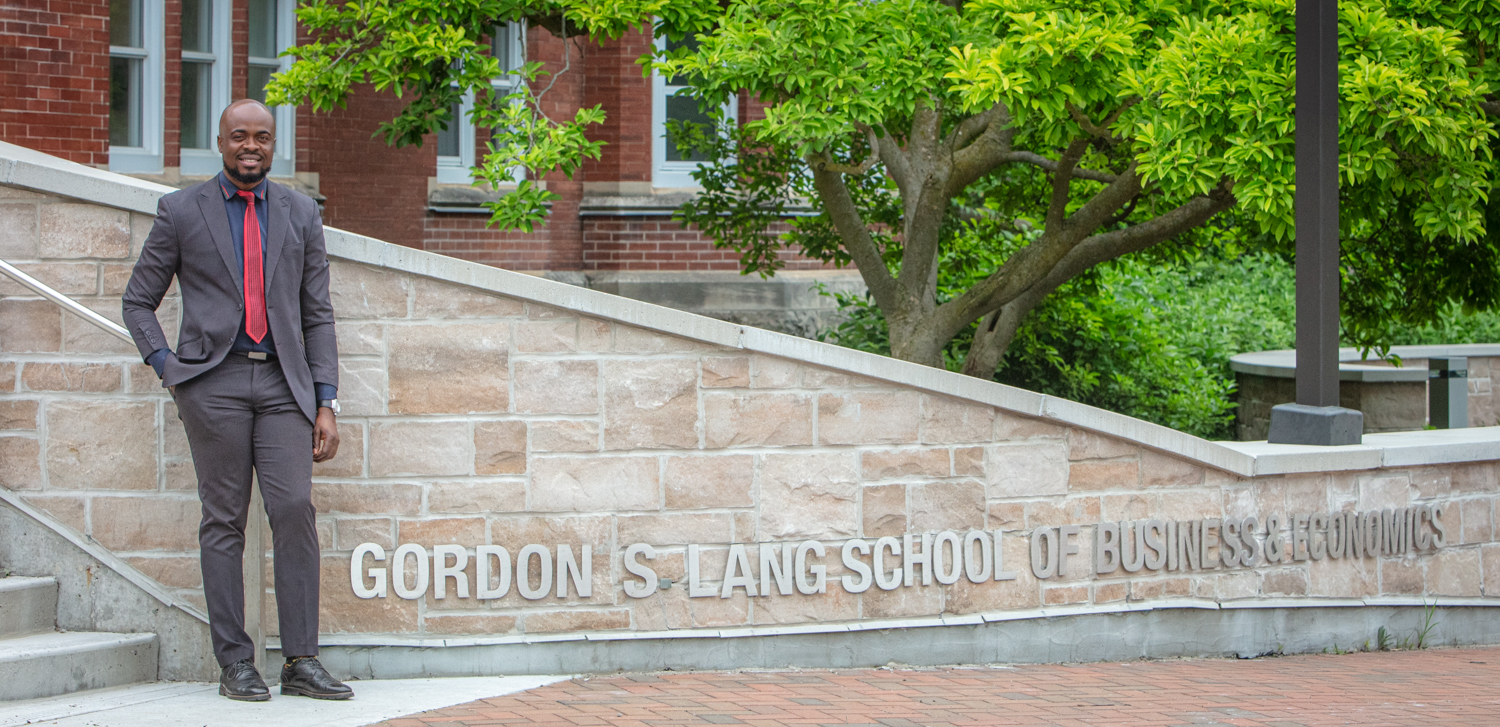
[{"x": 1092, "y": 128}]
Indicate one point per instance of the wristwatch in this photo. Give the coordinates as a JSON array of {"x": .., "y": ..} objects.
[{"x": 330, "y": 404}]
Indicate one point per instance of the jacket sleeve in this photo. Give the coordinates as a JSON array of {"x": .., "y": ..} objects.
[
  {"x": 149, "y": 282},
  {"x": 317, "y": 309}
]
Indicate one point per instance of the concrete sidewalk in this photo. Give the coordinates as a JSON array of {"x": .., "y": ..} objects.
[
  {"x": 192, "y": 704},
  {"x": 1434, "y": 687}
]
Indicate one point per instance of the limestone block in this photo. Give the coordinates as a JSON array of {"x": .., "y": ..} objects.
[
  {"x": 808, "y": 496},
  {"x": 140, "y": 228},
  {"x": 1431, "y": 482},
  {"x": 362, "y": 387},
  {"x": 20, "y": 463},
  {"x": 1111, "y": 592},
  {"x": 149, "y": 523},
  {"x": 1145, "y": 590},
  {"x": 420, "y": 448},
  {"x": 456, "y": 368},
  {"x": 1081, "y": 511},
  {"x": 557, "y": 387},
  {"x": 360, "y": 339},
  {"x": 177, "y": 467},
  {"x": 594, "y": 484},
  {"x": 949, "y": 421},
  {"x": 342, "y": 612},
  {"x": 141, "y": 379},
  {"x": 475, "y": 625},
  {"x": 885, "y": 417},
  {"x": 1377, "y": 492},
  {"x": 1229, "y": 586},
  {"x": 1190, "y": 505},
  {"x": 966, "y": 596},
  {"x": 817, "y": 377},
  {"x": 1129, "y": 507},
  {"x": 629, "y": 339},
  {"x": 715, "y": 612},
  {"x": 82, "y": 231},
  {"x": 496, "y": 496},
  {"x": 350, "y": 533},
  {"x": 1454, "y": 572},
  {"x": 957, "y": 506},
  {"x": 30, "y": 326},
  {"x": 1064, "y": 595},
  {"x": 771, "y": 372},
  {"x": 113, "y": 278},
  {"x": 1284, "y": 582},
  {"x": 350, "y": 459},
  {"x": 1343, "y": 577},
  {"x": 1400, "y": 576},
  {"x": 172, "y": 571},
  {"x": 835, "y": 604},
  {"x": 79, "y": 377},
  {"x": 1307, "y": 493},
  {"x": 101, "y": 444},
  {"x": 757, "y": 419},
  {"x": 612, "y": 619},
  {"x": 1006, "y": 515},
  {"x": 67, "y": 278},
  {"x": 438, "y": 299},
  {"x": 18, "y": 414},
  {"x": 1016, "y": 426},
  {"x": 499, "y": 448},
  {"x": 726, "y": 371},
  {"x": 1477, "y": 518},
  {"x": 324, "y": 528},
  {"x": 1084, "y": 444},
  {"x": 595, "y": 335},
  {"x": 1104, "y": 475},
  {"x": 744, "y": 527},
  {"x": 466, "y": 531},
  {"x": 18, "y": 231},
  {"x": 675, "y": 528},
  {"x": 651, "y": 404},
  {"x": 363, "y": 498},
  {"x": 67, "y": 509},
  {"x": 1026, "y": 470},
  {"x": 1476, "y": 477},
  {"x": 968, "y": 461},
  {"x": 565, "y": 436},
  {"x": 548, "y": 336},
  {"x": 902, "y": 602},
  {"x": 890, "y": 463},
  {"x": 540, "y": 312},
  {"x": 359, "y": 292},
  {"x": 8, "y": 376},
  {"x": 81, "y": 336},
  {"x": 1159, "y": 470},
  {"x": 697, "y": 482},
  {"x": 883, "y": 510},
  {"x": 1490, "y": 557},
  {"x": 517, "y": 531}
]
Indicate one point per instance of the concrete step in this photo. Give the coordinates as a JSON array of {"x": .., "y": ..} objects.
[
  {"x": 44, "y": 665},
  {"x": 27, "y": 605}
]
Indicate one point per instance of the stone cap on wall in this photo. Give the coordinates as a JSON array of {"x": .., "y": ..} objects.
[
  {"x": 30, "y": 169},
  {"x": 1283, "y": 364}
]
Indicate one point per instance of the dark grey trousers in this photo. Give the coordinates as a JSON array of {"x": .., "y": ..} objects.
[{"x": 241, "y": 416}]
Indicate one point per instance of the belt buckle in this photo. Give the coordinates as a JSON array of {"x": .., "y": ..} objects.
[{"x": 256, "y": 356}]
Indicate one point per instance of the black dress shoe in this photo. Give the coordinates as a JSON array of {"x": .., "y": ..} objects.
[
  {"x": 240, "y": 681},
  {"x": 308, "y": 678}
]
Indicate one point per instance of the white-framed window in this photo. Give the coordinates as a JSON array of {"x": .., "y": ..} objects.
[
  {"x": 273, "y": 25},
  {"x": 669, "y": 166},
  {"x": 135, "y": 85},
  {"x": 457, "y": 145},
  {"x": 205, "y": 82}
]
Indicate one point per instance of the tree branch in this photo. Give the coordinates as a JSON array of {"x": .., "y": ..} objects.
[
  {"x": 1037, "y": 160},
  {"x": 1101, "y": 130},
  {"x": 853, "y": 232},
  {"x": 1062, "y": 183},
  {"x": 869, "y": 163}
]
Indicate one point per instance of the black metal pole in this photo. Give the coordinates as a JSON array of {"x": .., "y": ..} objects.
[
  {"x": 1316, "y": 417},
  {"x": 1317, "y": 202}
]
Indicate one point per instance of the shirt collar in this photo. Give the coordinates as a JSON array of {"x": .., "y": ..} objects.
[{"x": 230, "y": 191}]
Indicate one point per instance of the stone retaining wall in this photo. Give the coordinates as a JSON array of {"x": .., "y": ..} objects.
[{"x": 472, "y": 418}]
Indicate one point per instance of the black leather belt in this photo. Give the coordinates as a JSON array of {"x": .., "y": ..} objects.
[{"x": 255, "y": 355}]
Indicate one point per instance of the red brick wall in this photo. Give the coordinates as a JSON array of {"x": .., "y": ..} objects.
[
  {"x": 54, "y": 77},
  {"x": 658, "y": 243},
  {"x": 615, "y": 81}
]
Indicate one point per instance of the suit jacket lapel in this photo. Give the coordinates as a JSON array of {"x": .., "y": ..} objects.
[
  {"x": 211, "y": 201},
  {"x": 277, "y": 206}
]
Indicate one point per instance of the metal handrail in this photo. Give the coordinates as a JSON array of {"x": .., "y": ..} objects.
[
  {"x": 68, "y": 304},
  {"x": 257, "y": 530}
]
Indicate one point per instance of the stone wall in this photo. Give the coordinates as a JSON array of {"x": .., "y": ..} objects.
[{"x": 475, "y": 418}]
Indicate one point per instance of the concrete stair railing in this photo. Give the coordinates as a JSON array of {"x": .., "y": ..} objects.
[{"x": 37, "y": 660}]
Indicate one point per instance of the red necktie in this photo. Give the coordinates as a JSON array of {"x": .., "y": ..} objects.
[{"x": 255, "y": 286}]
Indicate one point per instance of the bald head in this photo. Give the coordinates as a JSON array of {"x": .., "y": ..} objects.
[{"x": 247, "y": 141}]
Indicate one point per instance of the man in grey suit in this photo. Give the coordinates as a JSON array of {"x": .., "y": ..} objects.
[{"x": 254, "y": 377}]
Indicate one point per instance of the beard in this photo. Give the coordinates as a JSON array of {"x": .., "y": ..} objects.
[{"x": 252, "y": 178}]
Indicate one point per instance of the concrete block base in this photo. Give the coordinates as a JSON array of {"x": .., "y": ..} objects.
[
  {"x": 1325, "y": 426},
  {"x": 45, "y": 665}
]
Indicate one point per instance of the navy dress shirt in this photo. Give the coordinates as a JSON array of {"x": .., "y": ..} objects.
[{"x": 234, "y": 207}]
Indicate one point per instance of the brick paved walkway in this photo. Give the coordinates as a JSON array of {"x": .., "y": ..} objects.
[{"x": 1437, "y": 687}]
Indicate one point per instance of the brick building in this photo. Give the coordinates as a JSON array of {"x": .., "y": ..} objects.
[{"x": 136, "y": 86}]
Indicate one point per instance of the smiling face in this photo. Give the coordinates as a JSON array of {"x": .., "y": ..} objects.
[{"x": 247, "y": 140}]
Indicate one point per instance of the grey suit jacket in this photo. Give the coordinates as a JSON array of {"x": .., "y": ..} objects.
[{"x": 191, "y": 239}]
